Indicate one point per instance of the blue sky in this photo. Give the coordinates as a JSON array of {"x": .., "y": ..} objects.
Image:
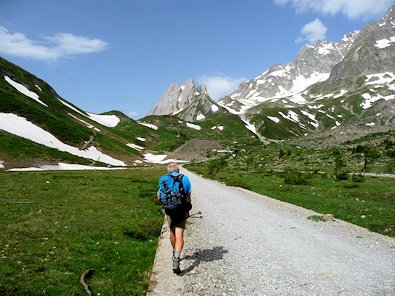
[{"x": 122, "y": 55}]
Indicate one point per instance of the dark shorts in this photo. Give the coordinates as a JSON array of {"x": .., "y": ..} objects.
[{"x": 177, "y": 221}]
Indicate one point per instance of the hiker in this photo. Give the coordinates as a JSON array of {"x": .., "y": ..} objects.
[{"x": 175, "y": 195}]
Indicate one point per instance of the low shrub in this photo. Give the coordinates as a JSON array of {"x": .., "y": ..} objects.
[
  {"x": 293, "y": 177},
  {"x": 351, "y": 185},
  {"x": 238, "y": 183},
  {"x": 357, "y": 178},
  {"x": 341, "y": 174}
]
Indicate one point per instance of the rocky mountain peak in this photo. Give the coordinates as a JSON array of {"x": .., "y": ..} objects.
[
  {"x": 188, "y": 101},
  {"x": 388, "y": 20},
  {"x": 176, "y": 98},
  {"x": 312, "y": 64}
]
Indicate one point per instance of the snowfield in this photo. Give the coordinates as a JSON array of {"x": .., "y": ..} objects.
[
  {"x": 22, "y": 89},
  {"x": 63, "y": 167},
  {"x": 380, "y": 78},
  {"x": 214, "y": 108},
  {"x": 369, "y": 99},
  {"x": 151, "y": 126},
  {"x": 383, "y": 43},
  {"x": 84, "y": 122},
  {"x": 194, "y": 126},
  {"x": 134, "y": 146},
  {"x": 106, "y": 120},
  {"x": 21, "y": 127},
  {"x": 152, "y": 158},
  {"x": 219, "y": 127},
  {"x": 275, "y": 119},
  {"x": 200, "y": 117},
  {"x": 71, "y": 107}
]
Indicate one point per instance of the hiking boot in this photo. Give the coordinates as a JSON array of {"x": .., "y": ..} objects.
[{"x": 176, "y": 265}]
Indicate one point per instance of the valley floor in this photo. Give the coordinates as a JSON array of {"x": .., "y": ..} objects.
[{"x": 249, "y": 244}]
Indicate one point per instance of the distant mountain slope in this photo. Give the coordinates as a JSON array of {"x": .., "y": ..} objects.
[
  {"x": 351, "y": 82},
  {"x": 31, "y": 109},
  {"x": 312, "y": 64},
  {"x": 227, "y": 129},
  {"x": 38, "y": 127}
]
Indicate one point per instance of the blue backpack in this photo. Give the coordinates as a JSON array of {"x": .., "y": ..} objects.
[{"x": 175, "y": 198}]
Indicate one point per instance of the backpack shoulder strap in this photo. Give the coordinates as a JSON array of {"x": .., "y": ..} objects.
[
  {"x": 180, "y": 186},
  {"x": 165, "y": 179}
]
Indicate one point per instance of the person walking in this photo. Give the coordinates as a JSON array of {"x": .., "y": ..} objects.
[{"x": 175, "y": 195}]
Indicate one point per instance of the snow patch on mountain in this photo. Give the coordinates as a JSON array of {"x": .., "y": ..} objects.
[
  {"x": 200, "y": 117},
  {"x": 291, "y": 115},
  {"x": 369, "y": 99},
  {"x": 301, "y": 82},
  {"x": 23, "y": 90},
  {"x": 21, "y": 127},
  {"x": 152, "y": 158},
  {"x": 134, "y": 146},
  {"x": 342, "y": 93},
  {"x": 84, "y": 122},
  {"x": 380, "y": 78},
  {"x": 383, "y": 43},
  {"x": 63, "y": 167},
  {"x": 106, "y": 120},
  {"x": 151, "y": 126},
  {"x": 219, "y": 127},
  {"x": 194, "y": 126},
  {"x": 275, "y": 119},
  {"x": 71, "y": 107}
]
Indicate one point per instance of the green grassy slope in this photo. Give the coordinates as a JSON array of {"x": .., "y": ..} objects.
[
  {"x": 55, "y": 225},
  {"x": 173, "y": 132},
  {"x": 56, "y": 118},
  {"x": 317, "y": 179}
]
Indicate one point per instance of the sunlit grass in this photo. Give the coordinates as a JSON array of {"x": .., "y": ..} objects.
[
  {"x": 370, "y": 203},
  {"x": 55, "y": 225}
]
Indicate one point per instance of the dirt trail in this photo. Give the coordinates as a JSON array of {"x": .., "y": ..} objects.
[{"x": 249, "y": 244}]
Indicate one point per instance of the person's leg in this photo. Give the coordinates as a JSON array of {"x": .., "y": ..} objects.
[
  {"x": 172, "y": 232},
  {"x": 179, "y": 244},
  {"x": 173, "y": 237},
  {"x": 179, "y": 239}
]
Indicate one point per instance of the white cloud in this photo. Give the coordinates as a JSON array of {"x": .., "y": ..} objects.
[
  {"x": 219, "y": 86},
  {"x": 51, "y": 49},
  {"x": 353, "y": 9},
  {"x": 312, "y": 32}
]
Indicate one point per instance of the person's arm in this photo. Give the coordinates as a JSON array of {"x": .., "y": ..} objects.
[
  {"x": 188, "y": 188},
  {"x": 189, "y": 197},
  {"x": 158, "y": 193}
]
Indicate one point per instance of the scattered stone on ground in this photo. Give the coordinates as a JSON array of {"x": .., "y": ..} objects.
[{"x": 195, "y": 150}]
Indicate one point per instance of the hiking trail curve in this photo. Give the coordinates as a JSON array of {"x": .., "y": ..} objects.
[{"x": 249, "y": 244}]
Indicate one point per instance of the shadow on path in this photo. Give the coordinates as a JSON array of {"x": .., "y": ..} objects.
[{"x": 206, "y": 255}]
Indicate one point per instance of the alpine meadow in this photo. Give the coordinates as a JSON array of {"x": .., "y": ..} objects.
[{"x": 78, "y": 189}]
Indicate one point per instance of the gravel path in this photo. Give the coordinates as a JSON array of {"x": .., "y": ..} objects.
[{"x": 249, "y": 244}]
